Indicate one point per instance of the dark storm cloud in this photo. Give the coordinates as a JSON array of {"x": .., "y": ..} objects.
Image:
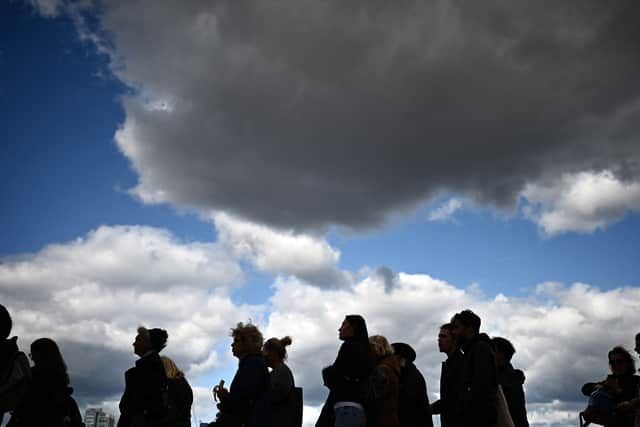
[{"x": 306, "y": 113}]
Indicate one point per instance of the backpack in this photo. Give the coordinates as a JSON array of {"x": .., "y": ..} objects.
[
  {"x": 14, "y": 381},
  {"x": 373, "y": 385}
]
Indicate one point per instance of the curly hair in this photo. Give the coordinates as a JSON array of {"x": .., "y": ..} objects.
[{"x": 249, "y": 336}]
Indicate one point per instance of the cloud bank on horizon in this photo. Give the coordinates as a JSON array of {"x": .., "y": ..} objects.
[
  {"x": 307, "y": 114},
  {"x": 90, "y": 296}
]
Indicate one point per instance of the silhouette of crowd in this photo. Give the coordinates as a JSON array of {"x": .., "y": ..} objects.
[{"x": 371, "y": 383}]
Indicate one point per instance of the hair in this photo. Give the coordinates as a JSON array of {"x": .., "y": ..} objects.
[
  {"x": 5, "y": 322},
  {"x": 638, "y": 335},
  {"x": 359, "y": 326},
  {"x": 47, "y": 356},
  {"x": 447, "y": 327},
  {"x": 249, "y": 335},
  {"x": 380, "y": 346},
  {"x": 171, "y": 369},
  {"x": 631, "y": 364},
  {"x": 504, "y": 346},
  {"x": 278, "y": 346},
  {"x": 469, "y": 319},
  {"x": 158, "y": 339}
]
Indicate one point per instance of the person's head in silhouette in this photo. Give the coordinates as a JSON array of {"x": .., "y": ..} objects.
[
  {"x": 275, "y": 351},
  {"x": 504, "y": 351},
  {"x": 621, "y": 362},
  {"x": 380, "y": 347},
  {"x": 354, "y": 327},
  {"x": 149, "y": 340},
  {"x": 637, "y": 349},
  {"x": 404, "y": 353},
  {"x": 247, "y": 339},
  {"x": 5, "y": 323},
  {"x": 48, "y": 360},
  {"x": 446, "y": 343},
  {"x": 466, "y": 326}
]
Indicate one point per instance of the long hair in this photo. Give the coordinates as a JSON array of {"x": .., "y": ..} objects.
[
  {"x": 359, "y": 326},
  {"x": 631, "y": 364},
  {"x": 47, "y": 356}
]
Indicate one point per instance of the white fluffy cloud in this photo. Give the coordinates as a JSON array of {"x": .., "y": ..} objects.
[
  {"x": 446, "y": 211},
  {"x": 282, "y": 252},
  {"x": 582, "y": 202},
  {"x": 90, "y": 295}
]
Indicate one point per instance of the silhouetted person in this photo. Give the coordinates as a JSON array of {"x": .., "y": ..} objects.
[
  {"x": 283, "y": 405},
  {"x": 384, "y": 411},
  {"x": 246, "y": 403},
  {"x": 180, "y": 394},
  {"x": 621, "y": 386},
  {"x": 477, "y": 383},
  {"x": 344, "y": 405},
  {"x": 15, "y": 372},
  {"x": 413, "y": 405},
  {"x": 511, "y": 380},
  {"x": 143, "y": 401},
  {"x": 446, "y": 406},
  {"x": 48, "y": 400}
]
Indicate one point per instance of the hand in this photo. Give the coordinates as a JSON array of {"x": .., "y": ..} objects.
[{"x": 219, "y": 392}]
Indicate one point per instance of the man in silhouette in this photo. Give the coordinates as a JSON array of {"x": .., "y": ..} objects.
[
  {"x": 477, "y": 385},
  {"x": 446, "y": 405},
  {"x": 413, "y": 402}
]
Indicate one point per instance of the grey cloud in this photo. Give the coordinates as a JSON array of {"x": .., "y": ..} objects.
[{"x": 306, "y": 114}]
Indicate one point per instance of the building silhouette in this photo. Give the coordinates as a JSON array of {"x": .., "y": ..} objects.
[{"x": 94, "y": 417}]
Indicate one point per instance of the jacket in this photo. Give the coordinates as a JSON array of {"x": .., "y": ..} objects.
[
  {"x": 247, "y": 402},
  {"x": 413, "y": 399},
  {"x": 145, "y": 384},
  {"x": 283, "y": 405},
  {"x": 512, "y": 381},
  {"x": 477, "y": 385},
  {"x": 384, "y": 413},
  {"x": 48, "y": 402}
]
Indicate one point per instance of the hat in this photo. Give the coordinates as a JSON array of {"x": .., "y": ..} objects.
[{"x": 404, "y": 350}]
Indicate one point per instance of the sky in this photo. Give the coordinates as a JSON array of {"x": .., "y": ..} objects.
[{"x": 197, "y": 164}]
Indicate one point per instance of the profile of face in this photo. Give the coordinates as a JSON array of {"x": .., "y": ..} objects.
[
  {"x": 141, "y": 346},
  {"x": 346, "y": 330},
  {"x": 237, "y": 347},
  {"x": 445, "y": 341},
  {"x": 619, "y": 364},
  {"x": 461, "y": 333},
  {"x": 637, "y": 349},
  {"x": 270, "y": 357}
]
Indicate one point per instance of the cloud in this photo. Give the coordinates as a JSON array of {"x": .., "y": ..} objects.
[
  {"x": 88, "y": 295},
  {"x": 582, "y": 202},
  {"x": 92, "y": 293},
  {"x": 445, "y": 212},
  {"x": 307, "y": 114},
  {"x": 560, "y": 332},
  {"x": 282, "y": 252}
]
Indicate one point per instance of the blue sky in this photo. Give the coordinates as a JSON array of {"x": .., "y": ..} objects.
[{"x": 86, "y": 146}]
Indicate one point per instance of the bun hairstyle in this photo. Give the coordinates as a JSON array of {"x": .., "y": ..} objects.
[{"x": 278, "y": 346}]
